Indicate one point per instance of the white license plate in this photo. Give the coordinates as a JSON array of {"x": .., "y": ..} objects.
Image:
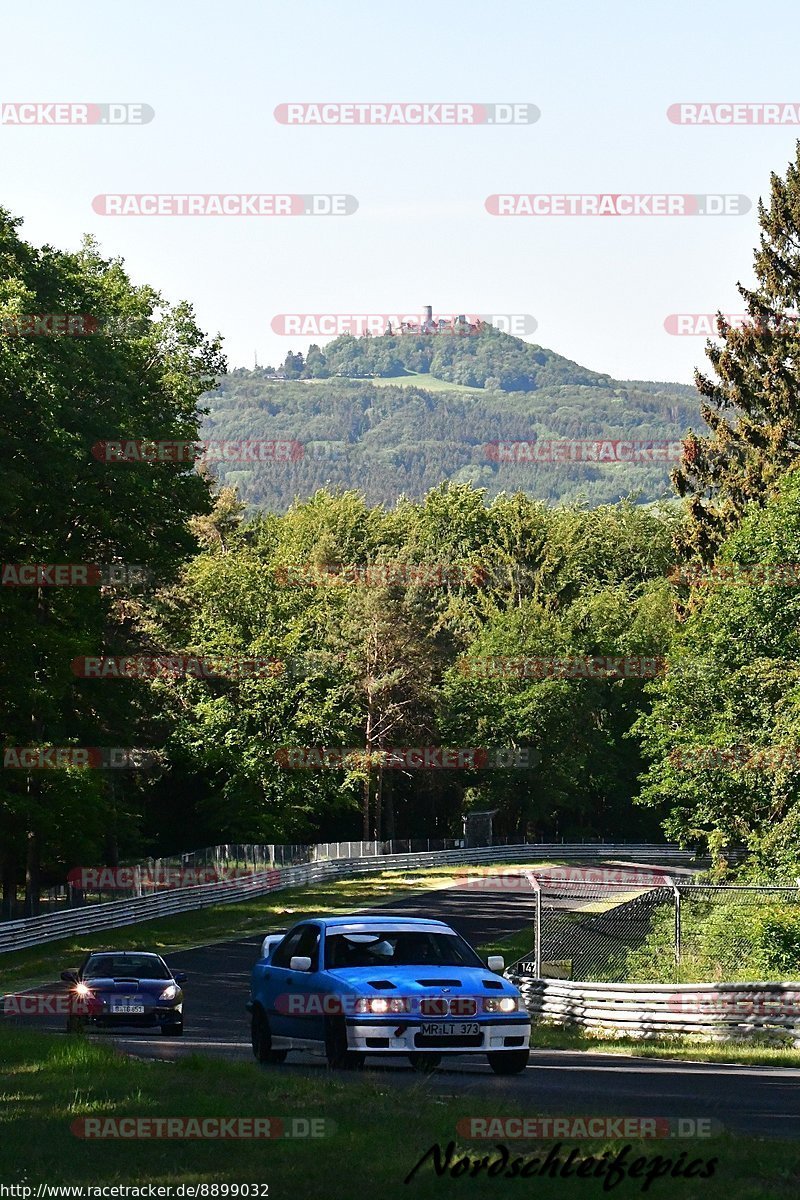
[
  {"x": 450, "y": 1029},
  {"x": 126, "y": 1006}
]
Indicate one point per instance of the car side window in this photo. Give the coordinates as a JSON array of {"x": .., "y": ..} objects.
[
  {"x": 309, "y": 945},
  {"x": 286, "y": 949},
  {"x": 305, "y": 941}
]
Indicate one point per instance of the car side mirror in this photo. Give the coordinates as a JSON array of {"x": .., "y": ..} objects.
[
  {"x": 70, "y": 976},
  {"x": 179, "y": 976},
  {"x": 495, "y": 962},
  {"x": 299, "y": 962}
]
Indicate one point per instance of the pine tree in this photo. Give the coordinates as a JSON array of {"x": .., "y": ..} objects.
[{"x": 752, "y": 407}]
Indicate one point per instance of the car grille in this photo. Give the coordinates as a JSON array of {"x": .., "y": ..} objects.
[{"x": 443, "y": 1006}]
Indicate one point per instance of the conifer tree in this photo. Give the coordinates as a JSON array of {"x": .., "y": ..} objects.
[{"x": 752, "y": 402}]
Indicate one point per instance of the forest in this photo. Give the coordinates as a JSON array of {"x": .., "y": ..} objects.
[{"x": 296, "y": 650}]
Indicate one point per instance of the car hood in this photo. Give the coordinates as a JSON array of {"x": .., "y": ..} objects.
[
  {"x": 422, "y": 981},
  {"x": 128, "y": 986}
]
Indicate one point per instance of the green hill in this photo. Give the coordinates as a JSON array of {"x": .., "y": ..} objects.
[{"x": 397, "y": 415}]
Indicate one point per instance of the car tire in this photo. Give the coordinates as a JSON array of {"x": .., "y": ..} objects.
[
  {"x": 336, "y": 1051},
  {"x": 172, "y": 1030},
  {"x": 261, "y": 1039},
  {"x": 424, "y": 1063},
  {"x": 508, "y": 1062},
  {"x": 75, "y": 1025}
]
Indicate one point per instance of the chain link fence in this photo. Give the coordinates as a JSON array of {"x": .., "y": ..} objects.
[{"x": 642, "y": 927}]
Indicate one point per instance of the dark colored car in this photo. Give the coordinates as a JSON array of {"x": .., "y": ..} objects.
[{"x": 126, "y": 987}]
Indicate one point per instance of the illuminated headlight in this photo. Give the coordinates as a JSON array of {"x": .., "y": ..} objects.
[
  {"x": 169, "y": 992},
  {"x": 81, "y": 989},
  {"x": 381, "y": 1004},
  {"x": 502, "y": 1004}
]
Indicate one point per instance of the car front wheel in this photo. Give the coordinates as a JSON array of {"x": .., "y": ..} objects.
[
  {"x": 172, "y": 1030},
  {"x": 336, "y": 1050},
  {"x": 508, "y": 1062},
  {"x": 261, "y": 1039}
]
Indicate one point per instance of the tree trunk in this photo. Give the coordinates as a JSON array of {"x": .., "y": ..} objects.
[
  {"x": 379, "y": 804},
  {"x": 389, "y": 810},
  {"x": 9, "y": 872},
  {"x": 32, "y": 874}
]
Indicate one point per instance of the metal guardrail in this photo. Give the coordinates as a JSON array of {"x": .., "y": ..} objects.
[
  {"x": 719, "y": 1011},
  {"x": 115, "y": 914}
]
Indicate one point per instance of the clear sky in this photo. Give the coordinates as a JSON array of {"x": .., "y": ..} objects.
[{"x": 603, "y": 76}]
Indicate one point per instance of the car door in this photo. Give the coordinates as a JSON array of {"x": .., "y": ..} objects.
[{"x": 295, "y": 998}]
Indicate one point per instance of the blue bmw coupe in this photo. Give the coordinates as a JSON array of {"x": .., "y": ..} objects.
[{"x": 361, "y": 985}]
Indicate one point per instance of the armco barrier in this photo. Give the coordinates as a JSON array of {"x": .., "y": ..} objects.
[
  {"x": 114, "y": 914},
  {"x": 718, "y": 1011}
]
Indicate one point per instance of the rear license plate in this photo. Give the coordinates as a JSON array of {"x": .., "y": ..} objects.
[
  {"x": 127, "y": 1005},
  {"x": 450, "y": 1029}
]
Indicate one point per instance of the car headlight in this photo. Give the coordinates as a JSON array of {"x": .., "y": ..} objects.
[
  {"x": 82, "y": 989},
  {"x": 381, "y": 1004},
  {"x": 169, "y": 992},
  {"x": 501, "y": 1004}
]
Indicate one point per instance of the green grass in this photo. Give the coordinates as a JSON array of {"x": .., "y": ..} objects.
[
  {"x": 421, "y": 379},
  {"x": 427, "y": 381},
  {"x": 378, "y": 1131},
  {"x": 753, "y": 1053}
]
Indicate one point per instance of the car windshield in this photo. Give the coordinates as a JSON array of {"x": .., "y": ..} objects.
[
  {"x": 398, "y": 948},
  {"x": 125, "y": 966}
]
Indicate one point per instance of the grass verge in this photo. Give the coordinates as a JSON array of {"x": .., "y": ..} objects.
[
  {"x": 749, "y": 1053},
  {"x": 379, "y": 1132}
]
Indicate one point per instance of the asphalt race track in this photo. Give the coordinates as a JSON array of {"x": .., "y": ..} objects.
[{"x": 757, "y": 1100}]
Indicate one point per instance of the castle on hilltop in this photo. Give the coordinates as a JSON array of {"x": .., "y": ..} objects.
[{"x": 427, "y": 325}]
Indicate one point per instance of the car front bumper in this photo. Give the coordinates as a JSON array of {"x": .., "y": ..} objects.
[
  {"x": 401, "y": 1036},
  {"x": 159, "y": 1014}
]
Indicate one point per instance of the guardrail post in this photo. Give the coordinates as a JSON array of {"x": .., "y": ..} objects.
[
  {"x": 537, "y": 925},
  {"x": 677, "y": 899}
]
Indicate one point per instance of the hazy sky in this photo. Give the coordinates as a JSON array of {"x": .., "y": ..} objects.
[{"x": 603, "y": 76}]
